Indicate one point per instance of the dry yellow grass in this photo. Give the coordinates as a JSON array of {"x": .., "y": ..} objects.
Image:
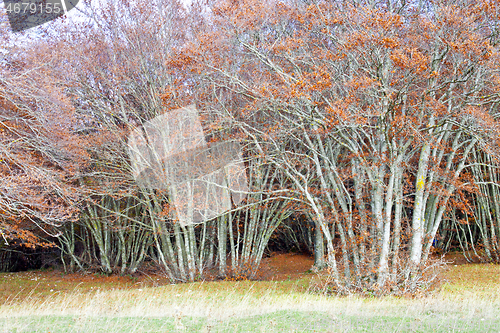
[{"x": 472, "y": 295}]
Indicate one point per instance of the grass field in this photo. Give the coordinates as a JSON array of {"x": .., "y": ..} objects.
[{"x": 53, "y": 302}]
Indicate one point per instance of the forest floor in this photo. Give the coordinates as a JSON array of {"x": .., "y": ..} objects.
[{"x": 51, "y": 301}]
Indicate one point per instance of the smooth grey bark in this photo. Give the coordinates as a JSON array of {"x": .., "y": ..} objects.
[{"x": 419, "y": 207}]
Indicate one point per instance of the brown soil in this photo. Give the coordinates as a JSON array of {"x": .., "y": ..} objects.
[
  {"x": 284, "y": 266},
  {"x": 278, "y": 267},
  {"x": 458, "y": 258}
]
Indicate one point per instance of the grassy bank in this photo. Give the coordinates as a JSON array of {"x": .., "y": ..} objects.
[{"x": 41, "y": 302}]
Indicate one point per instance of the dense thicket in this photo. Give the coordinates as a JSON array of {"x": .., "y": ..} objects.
[{"x": 369, "y": 129}]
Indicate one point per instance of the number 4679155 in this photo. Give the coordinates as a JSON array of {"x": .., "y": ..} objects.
[{"x": 32, "y": 8}]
